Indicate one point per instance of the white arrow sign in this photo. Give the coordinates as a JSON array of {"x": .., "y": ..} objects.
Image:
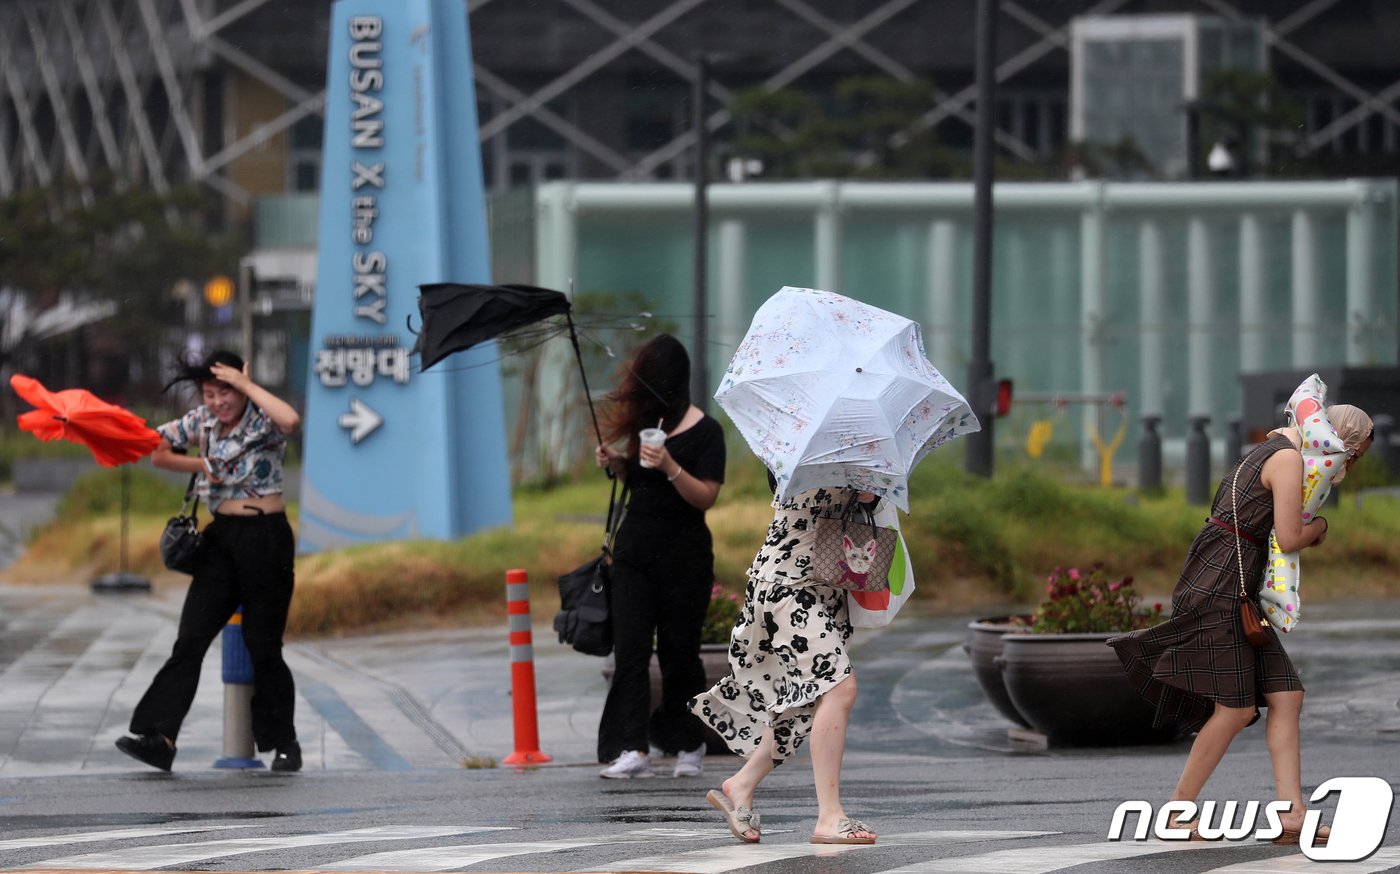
[{"x": 361, "y": 420}]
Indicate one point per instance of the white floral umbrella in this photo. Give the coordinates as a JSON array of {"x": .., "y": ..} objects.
[{"x": 829, "y": 391}]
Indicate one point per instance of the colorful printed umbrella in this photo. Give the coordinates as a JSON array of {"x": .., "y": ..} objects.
[
  {"x": 115, "y": 435},
  {"x": 829, "y": 391}
]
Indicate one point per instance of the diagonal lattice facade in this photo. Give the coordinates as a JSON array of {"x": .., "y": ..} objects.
[
  {"x": 147, "y": 90},
  {"x": 229, "y": 93}
]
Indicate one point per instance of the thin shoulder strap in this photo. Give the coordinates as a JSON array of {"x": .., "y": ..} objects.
[
  {"x": 1235, "y": 509},
  {"x": 190, "y": 492},
  {"x": 616, "y": 508}
]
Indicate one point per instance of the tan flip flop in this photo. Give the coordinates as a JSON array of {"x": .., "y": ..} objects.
[
  {"x": 740, "y": 819},
  {"x": 845, "y": 834},
  {"x": 1291, "y": 838}
]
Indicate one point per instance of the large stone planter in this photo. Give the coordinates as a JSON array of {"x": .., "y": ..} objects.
[
  {"x": 1072, "y": 689},
  {"x": 983, "y": 647}
]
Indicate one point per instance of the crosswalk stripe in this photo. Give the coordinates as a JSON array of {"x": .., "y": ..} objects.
[
  {"x": 116, "y": 834},
  {"x": 1381, "y": 860},
  {"x": 1041, "y": 859},
  {"x": 728, "y": 857},
  {"x": 956, "y": 836},
  {"x": 448, "y": 858},
  {"x": 146, "y": 858},
  {"x": 719, "y": 859}
]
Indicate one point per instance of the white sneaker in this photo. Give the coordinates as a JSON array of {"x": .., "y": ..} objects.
[
  {"x": 628, "y": 765},
  {"x": 690, "y": 764}
]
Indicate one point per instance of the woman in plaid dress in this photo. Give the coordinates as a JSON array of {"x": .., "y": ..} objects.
[{"x": 1197, "y": 669}]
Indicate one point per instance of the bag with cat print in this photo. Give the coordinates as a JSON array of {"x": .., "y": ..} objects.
[
  {"x": 851, "y": 551},
  {"x": 878, "y": 609}
]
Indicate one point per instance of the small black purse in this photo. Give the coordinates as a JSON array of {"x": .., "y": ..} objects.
[
  {"x": 179, "y": 542},
  {"x": 583, "y": 620}
]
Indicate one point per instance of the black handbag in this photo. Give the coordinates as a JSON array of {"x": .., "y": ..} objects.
[
  {"x": 179, "y": 542},
  {"x": 583, "y": 620}
]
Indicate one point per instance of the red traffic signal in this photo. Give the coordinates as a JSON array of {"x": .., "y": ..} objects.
[{"x": 1003, "y": 397}]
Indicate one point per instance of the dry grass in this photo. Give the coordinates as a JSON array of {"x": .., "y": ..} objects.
[{"x": 976, "y": 545}]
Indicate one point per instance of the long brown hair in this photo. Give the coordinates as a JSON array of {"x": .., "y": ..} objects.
[{"x": 654, "y": 385}]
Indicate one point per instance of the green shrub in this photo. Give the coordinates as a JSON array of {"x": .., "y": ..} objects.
[{"x": 100, "y": 492}]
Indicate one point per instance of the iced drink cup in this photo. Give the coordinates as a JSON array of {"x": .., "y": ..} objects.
[{"x": 651, "y": 437}]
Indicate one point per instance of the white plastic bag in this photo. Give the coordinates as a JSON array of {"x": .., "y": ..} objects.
[
  {"x": 1323, "y": 458},
  {"x": 877, "y": 609}
]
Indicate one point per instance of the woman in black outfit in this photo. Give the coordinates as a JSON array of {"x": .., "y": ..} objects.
[{"x": 663, "y": 561}]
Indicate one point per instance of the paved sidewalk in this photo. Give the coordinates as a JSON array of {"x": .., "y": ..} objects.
[{"x": 73, "y": 664}]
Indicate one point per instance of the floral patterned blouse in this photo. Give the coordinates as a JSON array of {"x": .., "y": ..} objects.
[{"x": 247, "y": 460}]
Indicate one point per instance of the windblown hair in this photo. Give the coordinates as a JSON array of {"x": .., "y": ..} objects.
[
  {"x": 653, "y": 386},
  {"x": 200, "y": 372}
]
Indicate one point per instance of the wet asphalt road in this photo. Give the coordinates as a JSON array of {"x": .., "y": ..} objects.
[{"x": 387, "y": 719}]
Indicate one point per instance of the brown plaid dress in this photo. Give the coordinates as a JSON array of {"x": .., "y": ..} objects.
[{"x": 1200, "y": 656}]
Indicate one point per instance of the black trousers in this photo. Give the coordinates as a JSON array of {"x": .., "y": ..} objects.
[
  {"x": 671, "y": 608},
  {"x": 242, "y": 560}
]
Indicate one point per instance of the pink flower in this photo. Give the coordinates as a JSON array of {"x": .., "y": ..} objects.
[{"x": 1074, "y": 573}]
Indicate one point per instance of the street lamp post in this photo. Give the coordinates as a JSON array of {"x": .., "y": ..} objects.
[
  {"x": 981, "y": 386},
  {"x": 699, "y": 376}
]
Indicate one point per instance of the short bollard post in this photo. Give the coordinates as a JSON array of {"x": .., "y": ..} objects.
[
  {"x": 522, "y": 673},
  {"x": 1234, "y": 442},
  {"x": 1380, "y": 439},
  {"x": 238, "y": 699},
  {"x": 1150, "y": 455},
  {"x": 1198, "y": 462}
]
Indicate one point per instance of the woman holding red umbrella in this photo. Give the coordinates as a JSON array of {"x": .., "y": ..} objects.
[{"x": 245, "y": 557}]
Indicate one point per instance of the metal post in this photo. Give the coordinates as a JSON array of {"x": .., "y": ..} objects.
[
  {"x": 699, "y": 377},
  {"x": 980, "y": 383},
  {"x": 1150, "y": 455},
  {"x": 124, "y": 580},
  {"x": 1193, "y": 139},
  {"x": 1198, "y": 462},
  {"x": 1234, "y": 442},
  {"x": 1380, "y": 441},
  {"x": 246, "y": 281},
  {"x": 238, "y": 699}
]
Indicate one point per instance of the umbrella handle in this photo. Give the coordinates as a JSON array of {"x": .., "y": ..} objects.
[{"x": 587, "y": 394}]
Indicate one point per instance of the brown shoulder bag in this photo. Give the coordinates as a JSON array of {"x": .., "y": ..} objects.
[{"x": 1255, "y": 626}]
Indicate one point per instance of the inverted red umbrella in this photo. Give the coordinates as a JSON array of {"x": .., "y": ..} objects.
[{"x": 113, "y": 434}]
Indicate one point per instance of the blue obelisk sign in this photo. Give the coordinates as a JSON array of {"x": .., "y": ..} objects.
[{"x": 392, "y": 453}]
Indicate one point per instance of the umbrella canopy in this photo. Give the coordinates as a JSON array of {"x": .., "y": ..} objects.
[
  {"x": 829, "y": 391},
  {"x": 458, "y": 316},
  {"x": 114, "y": 435}
]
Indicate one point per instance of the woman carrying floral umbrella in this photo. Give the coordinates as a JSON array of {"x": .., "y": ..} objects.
[{"x": 838, "y": 401}]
